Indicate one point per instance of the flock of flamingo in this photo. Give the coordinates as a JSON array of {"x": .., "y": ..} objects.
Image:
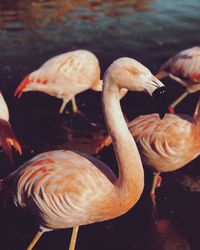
[{"x": 67, "y": 189}]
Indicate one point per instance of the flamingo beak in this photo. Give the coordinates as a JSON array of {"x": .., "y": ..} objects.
[{"x": 159, "y": 96}]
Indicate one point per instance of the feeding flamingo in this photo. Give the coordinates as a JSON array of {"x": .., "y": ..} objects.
[
  {"x": 7, "y": 137},
  {"x": 165, "y": 145},
  {"x": 65, "y": 189},
  {"x": 64, "y": 76},
  {"x": 184, "y": 68}
]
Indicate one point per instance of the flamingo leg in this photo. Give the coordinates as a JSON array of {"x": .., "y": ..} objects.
[
  {"x": 65, "y": 101},
  {"x": 35, "y": 240},
  {"x": 177, "y": 101},
  {"x": 156, "y": 183},
  {"x": 73, "y": 238},
  {"x": 74, "y": 105},
  {"x": 162, "y": 74},
  {"x": 177, "y": 79}
]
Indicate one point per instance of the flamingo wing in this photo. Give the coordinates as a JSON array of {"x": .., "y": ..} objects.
[
  {"x": 62, "y": 186},
  {"x": 163, "y": 143}
]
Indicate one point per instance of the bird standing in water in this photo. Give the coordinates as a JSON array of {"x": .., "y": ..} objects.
[
  {"x": 64, "y": 76},
  {"x": 165, "y": 145},
  {"x": 65, "y": 189},
  {"x": 7, "y": 137},
  {"x": 184, "y": 68}
]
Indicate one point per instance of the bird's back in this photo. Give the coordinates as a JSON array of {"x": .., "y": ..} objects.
[
  {"x": 185, "y": 65},
  {"x": 165, "y": 145},
  {"x": 64, "y": 75},
  {"x": 75, "y": 67}
]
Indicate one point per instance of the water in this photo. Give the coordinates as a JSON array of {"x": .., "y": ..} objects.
[{"x": 150, "y": 31}]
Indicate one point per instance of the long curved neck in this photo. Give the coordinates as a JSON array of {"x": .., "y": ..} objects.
[
  {"x": 196, "y": 115},
  {"x": 131, "y": 176}
]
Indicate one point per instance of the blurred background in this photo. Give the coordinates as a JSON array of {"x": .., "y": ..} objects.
[{"x": 148, "y": 30}]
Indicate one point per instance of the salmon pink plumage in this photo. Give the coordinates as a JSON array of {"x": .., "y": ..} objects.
[
  {"x": 7, "y": 136},
  {"x": 165, "y": 145},
  {"x": 184, "y": 68},
  {"x": 64, "y": 76}
]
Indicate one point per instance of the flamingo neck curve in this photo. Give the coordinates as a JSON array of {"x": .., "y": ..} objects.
[
  {"x": 130, "y": 182},
  {"x": 196, "y": 115}
]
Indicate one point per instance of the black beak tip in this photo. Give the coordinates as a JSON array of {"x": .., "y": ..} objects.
[
  {"x": 162, "y": 115},
  {"x": 160, "y": 97},
  {"x": 159, "y": 92}
]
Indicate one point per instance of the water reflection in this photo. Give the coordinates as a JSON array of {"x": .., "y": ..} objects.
[
  {"x": 81, "y": 135},
  {"x": 37, "y": 20},
  {"x": 166, "y": 236},
  {"x": 21, "y": 14}
]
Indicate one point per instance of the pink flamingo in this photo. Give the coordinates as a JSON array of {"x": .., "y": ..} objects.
[
  {"x": 65, "y": 189},
  {"x": 165, "y": 145},
  {"x": 7, "y": 137},
  {"x": 184, "y": 68},
  {"x": 64, "y": 76}
]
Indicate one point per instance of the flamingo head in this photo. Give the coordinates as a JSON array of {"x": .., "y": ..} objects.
[
  {"x": 31, "y": 83},
  {"x": 130, "y": 74}
]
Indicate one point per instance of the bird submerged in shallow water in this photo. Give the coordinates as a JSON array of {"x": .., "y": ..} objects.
[
  {"x": 7, "y": 136},
  {"x": 184, "y": 68},
  {"x": 64, "y": 76},
  {"x": 65, "y": 189}
]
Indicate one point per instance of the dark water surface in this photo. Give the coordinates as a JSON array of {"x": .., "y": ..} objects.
[{"x": 151, "y": 31}]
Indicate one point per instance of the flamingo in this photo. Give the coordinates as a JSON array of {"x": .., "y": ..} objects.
[
  {"x": 165, "y": 145},
  {"x": 65, "y": 189},
  {"x": 64, "y": 76},
  {"x": 7, "y": 136},
  {"x": 184, "y": 68}
]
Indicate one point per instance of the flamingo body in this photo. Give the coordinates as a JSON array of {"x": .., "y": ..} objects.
[
  {"x": 7, "y": 136},
  {"x": 164, "y": 145},
  {"x": 68, "y": 188},
  {"x": 183, "y": 68},
  {"x": 168, "y": 144},
  {"x": 64, "y": 76}
]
